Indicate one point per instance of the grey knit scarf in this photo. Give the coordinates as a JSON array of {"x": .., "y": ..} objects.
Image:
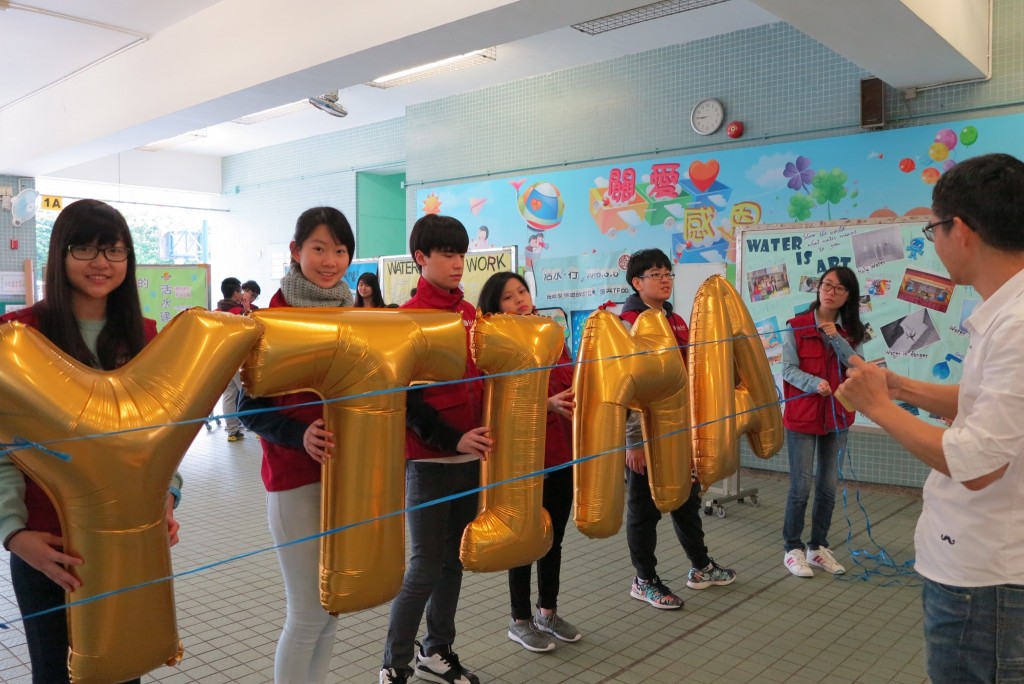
[{"x": 298, "y": 291}]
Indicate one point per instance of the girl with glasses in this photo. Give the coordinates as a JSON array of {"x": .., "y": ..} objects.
[
  {"x": 92, "y": 313},
  {"x": 816, "y": 350}
]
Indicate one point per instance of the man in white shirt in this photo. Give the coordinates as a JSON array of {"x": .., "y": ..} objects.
[{"x": 970, "y": 537}]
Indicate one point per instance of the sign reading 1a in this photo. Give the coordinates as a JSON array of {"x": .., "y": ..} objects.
[{"x": 52, "y": 203}]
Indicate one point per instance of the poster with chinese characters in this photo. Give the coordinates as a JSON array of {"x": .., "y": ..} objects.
[{"x": 166, "y": 289}]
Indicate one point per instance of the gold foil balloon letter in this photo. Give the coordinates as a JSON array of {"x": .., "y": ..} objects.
[
  {"x": 344, "y": 352},
  {"x": 512, "y": 528},
  {"x": 732, "y": 386},
  {"x": 616, "y": 371},
  {"x": 112, "y": 495}
]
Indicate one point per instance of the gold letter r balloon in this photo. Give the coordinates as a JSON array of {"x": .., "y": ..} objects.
[{"x": 111, "y": 496}]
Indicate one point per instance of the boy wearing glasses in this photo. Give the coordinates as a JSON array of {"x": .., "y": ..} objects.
[{"x": 650, "y": 275}]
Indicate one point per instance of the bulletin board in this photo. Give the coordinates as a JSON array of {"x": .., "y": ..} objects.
[
  {"x": 398, "y": 274},
  {"x": 166, "y": 289},
  {"x": 912, "y": 310}
]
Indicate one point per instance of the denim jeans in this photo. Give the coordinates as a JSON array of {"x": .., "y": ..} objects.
[
  {"x": 974, "y": 634},
  {"x": 433, "y": 575},
  {"x": 801, "y": 449}
]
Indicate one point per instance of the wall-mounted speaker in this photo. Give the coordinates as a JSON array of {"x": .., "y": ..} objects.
[{"x": 872, "y": 103}]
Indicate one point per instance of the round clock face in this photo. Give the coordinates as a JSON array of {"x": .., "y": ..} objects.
[{"x": 707, "y": 116}]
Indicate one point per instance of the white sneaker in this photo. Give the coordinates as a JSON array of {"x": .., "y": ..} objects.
[
  {"x": 796, "y": 562},
  {"x": 822, "y": 558}
]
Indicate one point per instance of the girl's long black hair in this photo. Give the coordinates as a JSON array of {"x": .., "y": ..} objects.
[{"x": 91, "y": 222}]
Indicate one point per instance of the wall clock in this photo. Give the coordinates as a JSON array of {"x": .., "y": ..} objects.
[{"x": 707, "y": 116}]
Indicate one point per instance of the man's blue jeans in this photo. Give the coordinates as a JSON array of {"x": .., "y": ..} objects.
[
  {"x": 974, "y": 634},
  {"x": 801, "y": 449}
]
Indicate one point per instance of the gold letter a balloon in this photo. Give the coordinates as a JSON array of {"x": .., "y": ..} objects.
[
  {"x": 111, "y": 497},
  {"x": 732, "y": 386}
]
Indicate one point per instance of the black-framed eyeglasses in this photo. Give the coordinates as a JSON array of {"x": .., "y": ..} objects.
[
  {"x": 828, "y": 287},
  {"x": 929, "y": 230},
  {"x": 90, "y": 252},
  {"x": 658, "y": 276}
]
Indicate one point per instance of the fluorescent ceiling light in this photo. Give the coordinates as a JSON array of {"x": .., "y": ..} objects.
[
  {"x": 434, "y": 68},
  {"x": 273, "y": 113},
  {"x": 176, "y": 140},
  {"x": 656, "y": 10}
]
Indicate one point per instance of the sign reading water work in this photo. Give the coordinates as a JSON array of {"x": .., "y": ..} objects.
[
  {"x": 399, "y": 274},
  {"x": 166, "y": 289}
]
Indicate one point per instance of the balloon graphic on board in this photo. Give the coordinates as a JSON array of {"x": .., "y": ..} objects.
[
  {"x": 25, "y": 205},
  {"x": 938, "y": 151},
  {"x": 969, "y": 135},
  {"x": 907, "y": 165},
  {"x": 947, "y": 137},
  {"x": 541, "y": 206}
]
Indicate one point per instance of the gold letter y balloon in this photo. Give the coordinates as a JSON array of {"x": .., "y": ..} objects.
[
  {"x": 344, "y": 352},
  {"x": 112, "y": 495},
  {"x": 732, "y": 386},
  {"x": 512, "y": 528}
]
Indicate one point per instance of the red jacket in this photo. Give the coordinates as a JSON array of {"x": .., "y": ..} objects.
[
  {"x": 286, "y": 465},
  {"x": 437, "y": 417},
  {"x": 558, "y": 438},
  {"x": 814, "y": 414},
  {"x": 634, "y": 306},
  {"x": 42, "y": 516}
]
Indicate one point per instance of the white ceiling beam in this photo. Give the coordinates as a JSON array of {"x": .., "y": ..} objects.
[{"x": 903, "y": 42}]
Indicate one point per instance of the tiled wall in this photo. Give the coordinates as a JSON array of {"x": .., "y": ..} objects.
[
  {"x": 12, "y": 259},
  {"x": 779, "y": 82}
]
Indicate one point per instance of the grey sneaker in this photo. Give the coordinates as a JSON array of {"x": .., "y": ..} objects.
[
  {"x": 557, "y": 627},
  {"x": 526, "y": 635}
]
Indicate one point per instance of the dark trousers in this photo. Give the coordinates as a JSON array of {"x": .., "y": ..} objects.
[
  {"x": 642, "y": 518},
  {"x": 557, "y": 500},
  {"x": 47, "y": 635}
]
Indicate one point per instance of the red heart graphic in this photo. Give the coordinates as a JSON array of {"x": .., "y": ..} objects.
[{"x": 703, "y": 175}]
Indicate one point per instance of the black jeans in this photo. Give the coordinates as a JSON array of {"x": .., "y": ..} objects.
[
  {"x": 47, "y": 635},
  {"x": 642, "y": 518},
  {"x": 557, "y": 500}
]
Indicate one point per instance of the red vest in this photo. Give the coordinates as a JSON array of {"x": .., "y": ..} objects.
[
  {"x": 42, "y": 516},
  {"x": 814, "y": 414},
  {"x": 459, "y": 405},
  {"x": 558, "y": 438}
]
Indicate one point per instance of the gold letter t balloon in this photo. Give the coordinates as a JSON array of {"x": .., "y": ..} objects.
[{"x": 112, "y": 495}]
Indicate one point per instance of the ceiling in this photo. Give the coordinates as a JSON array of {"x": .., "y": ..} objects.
[{"x": 106, "y": 76}]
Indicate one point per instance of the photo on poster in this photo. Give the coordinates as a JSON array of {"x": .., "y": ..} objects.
[
  {"x": 876, "y": 247},
  {"x": 966, "y": 309},
  {"x": 808, "y": 284},
  {"x": 771, "y": 335},
  {"x": 877, "y": 287},
  {"x": 865, "y": 304},
  {"x": 869, "y": 333},
  {"x": 910, "y": 333},
  {"x": 926, "y": 289},
  {"x": 767, "y": 283}
]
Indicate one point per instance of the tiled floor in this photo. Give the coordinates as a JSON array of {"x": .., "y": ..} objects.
[{"x": 767, "y": 627}]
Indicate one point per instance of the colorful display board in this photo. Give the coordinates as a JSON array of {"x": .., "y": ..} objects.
[
  {"x": 166, "y": 289},
  {"x": 912, "y": 310}
]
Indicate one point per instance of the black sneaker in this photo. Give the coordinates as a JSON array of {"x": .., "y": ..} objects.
[
  {"x": 442, "y": 666},
  {"x": 390, "y": 675}
]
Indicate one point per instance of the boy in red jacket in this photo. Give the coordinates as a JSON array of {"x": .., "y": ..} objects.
[
  {"x": 650, "y": 275},
  {"x": 444, "y": 444}
]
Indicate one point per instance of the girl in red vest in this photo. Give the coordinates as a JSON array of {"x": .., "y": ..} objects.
[
  {"x": 92, "y": 313},
  {"x": 295, "y": 444},
  {"x": 507, "y": 292},
  {"x": 815, "y": 354}
]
